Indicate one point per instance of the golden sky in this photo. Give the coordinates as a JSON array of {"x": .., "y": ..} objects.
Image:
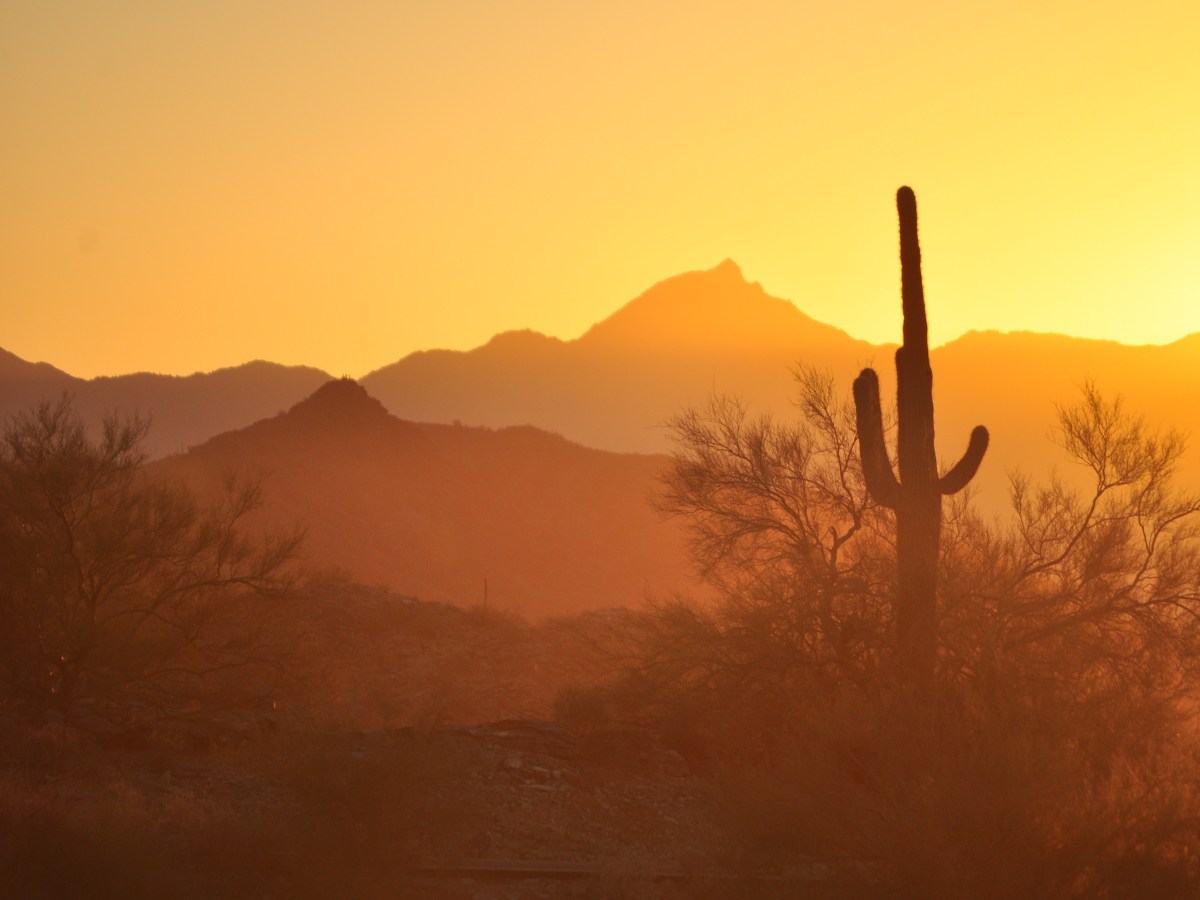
[{"x": 195, "y": 183}]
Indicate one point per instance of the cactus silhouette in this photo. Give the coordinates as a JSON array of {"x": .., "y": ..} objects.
[{"x": 916, "y": 496}]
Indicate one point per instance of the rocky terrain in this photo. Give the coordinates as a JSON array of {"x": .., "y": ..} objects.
[{"x": 413, "y": 753}]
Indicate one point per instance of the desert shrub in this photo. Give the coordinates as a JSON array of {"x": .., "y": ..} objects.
[
  {"x": 583, "y": 708},
  {"x": 951, "y": 796},
  {"x": 1054, "y": 754},
  {"x": 111, "y": 579},
  {"x": 780, "y": 522}
]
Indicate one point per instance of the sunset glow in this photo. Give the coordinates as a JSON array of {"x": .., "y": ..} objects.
[{"x": 192, "y": 185}]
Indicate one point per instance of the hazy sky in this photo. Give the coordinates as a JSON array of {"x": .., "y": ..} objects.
[{"x": 186, "y": 185}]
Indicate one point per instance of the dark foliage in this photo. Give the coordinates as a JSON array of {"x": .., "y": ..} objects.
[
  {"x": 1051, "y": 753},
  {"x": 111, "y": 580}
]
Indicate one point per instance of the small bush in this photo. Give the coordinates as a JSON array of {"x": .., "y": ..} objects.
[{"x": 584, "y": 710}]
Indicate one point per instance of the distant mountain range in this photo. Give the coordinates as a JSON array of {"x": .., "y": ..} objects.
[
  {"x": 614, "y": 386},
  {"x": 696, "y": 333},
  {"x": 440, "y": 511},
  {"x": 184, "y": 410},
  {"x": 713, "y": 331}
]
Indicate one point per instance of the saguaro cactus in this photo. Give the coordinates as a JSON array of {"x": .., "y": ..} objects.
[{"x": 917, "y": 495}]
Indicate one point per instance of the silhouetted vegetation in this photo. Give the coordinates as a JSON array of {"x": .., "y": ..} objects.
[
  {"x": 916, "y": 496},
  {"x": 121, "y": 593},
  {"x": 780, "y": 521},
  {"x": 1051, "y": 752}
]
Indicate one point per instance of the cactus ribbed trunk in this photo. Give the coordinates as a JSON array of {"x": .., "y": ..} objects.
[{"x": 916, "y": 496}]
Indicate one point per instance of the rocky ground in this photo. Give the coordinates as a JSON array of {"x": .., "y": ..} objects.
[
  {"x": 613, "y": 811},
  {"x": 507, "y": 809},
  {"x": 379, "y": 773}
]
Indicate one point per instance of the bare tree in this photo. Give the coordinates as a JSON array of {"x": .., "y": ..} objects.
[
  {"x": 780, "y": 521},
  {"x": 1099, "y": 582},
  {"x": 109, "y": 576}
]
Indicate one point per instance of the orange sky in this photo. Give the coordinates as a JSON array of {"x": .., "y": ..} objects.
[{"x": 192, "y": 184}]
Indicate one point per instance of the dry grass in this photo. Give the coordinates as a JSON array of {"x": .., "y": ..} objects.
[
  {"x": 296, "y": 815},
  {"x": 888, "y": 796}
]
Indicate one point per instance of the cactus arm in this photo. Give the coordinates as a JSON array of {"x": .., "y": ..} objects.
[
  {"x": 964, "y": 470},
  {"x": 877, "y": 468}
]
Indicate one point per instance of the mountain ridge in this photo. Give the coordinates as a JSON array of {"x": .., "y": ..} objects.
[
  {"x": 185, "y": 409},
  {"x": 435, "y": 511},
  {"x": 682, "y": 339}
]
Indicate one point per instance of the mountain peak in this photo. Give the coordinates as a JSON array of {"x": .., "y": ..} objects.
[
  {"x": 523, "y": 339},
  {"x": 727, "y": 268},
  {"x": 342, "y": 400},
  {"x": 707, "y": 309}
]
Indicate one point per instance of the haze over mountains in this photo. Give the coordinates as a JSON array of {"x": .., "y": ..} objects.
[
  {"x": 614, "y": 386},
  {"x": 185, "y": 410},
  {"x": 709, "y": 331},
  {"x": 699, "y": 332},
  {"x": 434, "y": 511}
]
